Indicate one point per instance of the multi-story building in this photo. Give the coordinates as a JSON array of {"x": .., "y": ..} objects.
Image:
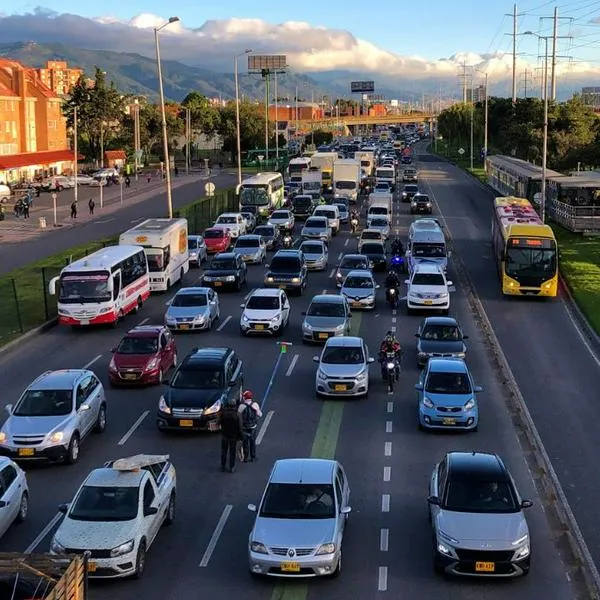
[
  {"x": 476, "y": 94},
  {"x": 591, "y": 97},
  {"x": 59, "y": 77},
  {"x": 33, "y": 133},
  {"x": 303, "y": 111}
]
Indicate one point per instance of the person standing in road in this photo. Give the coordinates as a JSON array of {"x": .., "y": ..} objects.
[
  {"x": 74, "y": 210},
  {"x": 92, "y": 205},
  {"x": 231, "y": 434},
  {"x": 250, "y": 413},
  {"x": 25, "y": 208}
]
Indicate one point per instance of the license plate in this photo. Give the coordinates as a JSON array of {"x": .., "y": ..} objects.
[
  {"x": 449, "y": 421},
  {"x": 339, "y": 388},
  {"x": 356, "y": 304},
  {"x": 282, "y": 286},
  {"x": 84, "y": 322},
  {"x": 26, "y": 451},
  {"x": 213, "y": 426},
  {"x": 485, "y": 567},
  {"x": 218, "y": 283},
  {"x": 259, "y": 327},
  {"x": 428, "y": 302},
  {"x": 186, "y": 423},
  {"x": 91, "y": 567},
  {"x": 184, "y": 327},
  {"x": 290, "y": 567},
  {"x": 323, "y": 336},
  {"x": 130, "y": 376}
]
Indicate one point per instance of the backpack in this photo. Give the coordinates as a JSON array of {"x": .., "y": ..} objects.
[{"x": 249, "y": 417}]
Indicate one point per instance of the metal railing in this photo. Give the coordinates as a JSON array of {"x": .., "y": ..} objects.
[
  {"x": 204, "y": 212},
  {"x": 578, "y": 219}
]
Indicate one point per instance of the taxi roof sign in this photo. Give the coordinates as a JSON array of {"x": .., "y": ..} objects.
[{"x": 139, "y": 461}]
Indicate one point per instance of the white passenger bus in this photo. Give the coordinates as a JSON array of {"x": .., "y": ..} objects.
[
  {"x": 261, "y": 194},
  {"x": 297, "y": 166},
  {"x": 102, "y": 287}
]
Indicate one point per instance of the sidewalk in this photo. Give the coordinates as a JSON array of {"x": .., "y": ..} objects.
[{"x": 14, "y": 229}]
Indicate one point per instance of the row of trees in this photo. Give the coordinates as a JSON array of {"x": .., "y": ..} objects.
[
  {"x": 104, "y": 120},
  {"x": 573, "y": 130}
]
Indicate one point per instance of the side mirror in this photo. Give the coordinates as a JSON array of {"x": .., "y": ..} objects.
[
  {"x": 370, "y": 360},
  {"x": 242, "y": 306},
  {"x": 465, "y": 337},
  {"x": 3, "y": 503},
  {"x": 419, "y": 387},
  {"x": 417, "y": 335},
  {"x": 113, "y": 350},
  {"x": 150, "y": 510},
  {"x": 84, "y": 407},
  {"x": 526, "y": 504},
  {"x": 303, "y": 313},
  {"x": 346, "y": 510},
  {"x": 52, "y": 286},
  {"x": 407, "y": 281},
  {"x": 478, "y": 388},
  {"x": 503, "y": 256},
  {"x": 9, "y": 408},
  {"x": 252, "y": 508},
  {"x": 377, "y": 287},
  {"x": 449, "y": 283},
  {"x": 433, "y": 500},
  {"x": 315, "y": 359},
  {"x": 267, "y": 266},
  {"x": 63, "y": 508}
]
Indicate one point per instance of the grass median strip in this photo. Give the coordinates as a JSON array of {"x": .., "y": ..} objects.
[{"x": 580, "y": 266}]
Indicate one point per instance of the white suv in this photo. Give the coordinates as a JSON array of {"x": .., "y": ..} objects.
[
  {"x": 234, "y": 222},
  {"x": 428, "y": 289}
]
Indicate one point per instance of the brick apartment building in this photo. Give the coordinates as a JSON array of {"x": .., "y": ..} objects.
[{"x": 59, "y": 77}]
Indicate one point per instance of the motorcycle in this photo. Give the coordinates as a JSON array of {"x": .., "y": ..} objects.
[
  {"x": 391, "y": 296},
  {"x": 390, "y": 369},
  {"x": 398, "y": 264},
  {"x": 353, "y": 225}
]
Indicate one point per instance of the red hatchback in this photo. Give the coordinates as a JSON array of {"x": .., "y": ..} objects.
[
  {"x": 217, "y": 240},
  {"x": 143, "y": 356}
]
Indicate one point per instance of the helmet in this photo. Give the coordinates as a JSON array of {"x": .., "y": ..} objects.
[
  {"x": 389, "y": 336},
  {"x": 247, "y": 395}
]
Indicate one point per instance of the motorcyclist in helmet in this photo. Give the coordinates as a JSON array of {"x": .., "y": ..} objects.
[
  {"x": 388, "y": 345},
  {"x": 354, "y": 220},
  {"x": 397, "y": 247},
  {"x": 392, "y": 280}
]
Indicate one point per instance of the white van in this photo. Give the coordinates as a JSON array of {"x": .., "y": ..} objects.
[
  {"x": 4, "y": 194},
  {"x": 332, "y": 213},
  {"x": 379, "y": 210}
]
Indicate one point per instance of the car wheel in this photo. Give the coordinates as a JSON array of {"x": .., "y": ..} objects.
[
  {"x": 101, "y": 420},
  {"x": 23, "y": 508},
  {"x": 140, "y": 561},
  {"x": 170, "y": 516},
  {"x": 73, "y": 450}
]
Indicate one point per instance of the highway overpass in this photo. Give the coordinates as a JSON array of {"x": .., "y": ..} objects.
[{"x": 332, "y": 123}]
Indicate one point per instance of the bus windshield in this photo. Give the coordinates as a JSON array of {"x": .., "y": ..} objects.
[
  {"x": 256, "y": 196},
  {"x": 156, "y": 259},
  {"x": 88, "y": 286},
  {"x": 531, "y": 262}
]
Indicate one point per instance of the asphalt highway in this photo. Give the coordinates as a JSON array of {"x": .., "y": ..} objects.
[
  {"x": 386, "y": 550},
  {"x": 15, "y": 255},
  {"x": 557, "y": 369}
]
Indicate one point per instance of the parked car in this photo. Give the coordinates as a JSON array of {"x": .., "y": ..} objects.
[{"x": 192, "y": 309}]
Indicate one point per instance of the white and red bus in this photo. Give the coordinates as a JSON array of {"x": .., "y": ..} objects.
[{"x": 102, "y": 287}]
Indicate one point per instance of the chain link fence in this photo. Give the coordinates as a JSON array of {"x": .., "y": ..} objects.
[{"x": 204, "y": 212}]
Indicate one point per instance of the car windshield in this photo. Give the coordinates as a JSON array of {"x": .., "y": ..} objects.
[
  {"x": 342, "y": 208},
  {"x": 411, "y": 188},
  {"x": 311, "y": 248},
  {"x": 213, "y": 234},
  {"x": 475, "y": 496},
  {"x": 183, "y": 300},
  {"x": 343, "y": 355},
  {"x": 421, "y": 198},
  {"x": 138, "y": 345},
  {"x": 223, "y": 264},
  {"x": 379, "y": 223},
  {"x": 428, "y": 279},
  {"x": 359, "y": 282},
  {"x": 441, "y": 333},
  {"x": 298, "y": 501},
  {"x": 280, "y": 214},
  {"x": 191, "y": 377},
  {"x": 265, "y": 231},
  {"x": 382, "y": 186},
  {"x": 354, "y": 263},
  {"x": 371, "y": 235},
  {"x": 263, "y": 303},
  {"x": 44, "y": 403},
  {"x": 226, "y": 220},
  {"x": 428, "y": 250},
  {"x": 316, "y": 223},
  {"x": 193, "y": 244},
  {"x": 285, "y": 264},
  {"x": 326, "y": 309},
  {"x": 370, "y": 248},
  {"x": 328, "y": 214},
  {"x": 94, "y": 503},
  {"x": 448, "y": 383},
  {"x": 378, "y": 210},
  {"x": 302, "y": 201},
  {"x": 247, "y": 243}
]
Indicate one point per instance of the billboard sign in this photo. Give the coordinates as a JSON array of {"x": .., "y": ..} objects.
[
  {"x": 266, "y": 62},
  {"x": 362, "y": 86}
]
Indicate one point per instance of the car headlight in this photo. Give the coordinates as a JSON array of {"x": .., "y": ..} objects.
[
  {"x": 521, "y": 540},
  {"x": 125, "y": 548},
  {"x": 56, "y": 547},
  {"x": 325, "y": 549},
  {"x": 245, "y": 319},
  {"x": 211, "y": 410},
  {"x": 470, "y": 405},
  {"x": 230, "y": 278},
  {"x": 163, "y": 407},
  {"x": 56, "y": 437},
  {"x": 276, "y": 319},
  {"x": 306, "y": 326},
  {"x": 171, "y": 320},
  {"x": 427, "y": 402},
  {"x": 258, "y": 547},
  {"x": 199, "y": 319},
  {"x": 321, "y": 374},
  {"x": 338, "y": 275},
  {"x": 340, "y": 327},
  {"x": 459, "y": 354},
  {"x": 522, "y": 552},
  {"x": 296, "y": 280},
  {"x": 443, "y": 537},
  {"x": 269, "y": 280},
  {"x": 112, "y": 366},
  {"x": 152, "y": 364},
  {"x": 370, "y": 298}
]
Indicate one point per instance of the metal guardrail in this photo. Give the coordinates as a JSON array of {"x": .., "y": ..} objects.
[{"x": 578, "y": 219}]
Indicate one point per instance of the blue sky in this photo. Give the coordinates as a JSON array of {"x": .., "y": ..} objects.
[{"x": 429, "y": 28}]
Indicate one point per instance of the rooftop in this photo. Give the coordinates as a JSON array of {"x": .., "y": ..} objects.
[
  {"x": 303, "y": 470},
  {"x": 476, "y": 466}
]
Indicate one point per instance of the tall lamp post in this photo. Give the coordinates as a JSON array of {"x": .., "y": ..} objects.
[
  {"x": 485, "y": 119},
  {"x": 164, "y": 116},
  {"x": 237, "y": 113}
]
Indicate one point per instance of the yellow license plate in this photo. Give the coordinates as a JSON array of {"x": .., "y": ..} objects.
[
  {"x": 282, "y": 286},
  {"x": 339, "y": 388},
  {"x": 218, "y": 283},
  {"x": 323, "y": 336},
  {"x": 290, "y": 567},
  {"x": 428, "y": 302},
  {"x": 130, "y": 376},
  {"x": 259, "y": 327},
  {"x": 184, "y": 327},
  {"x": 485, "y": 567},
  {"x": 356, "y": 304},
  {"x": 91, "y": 567},
  {"x": 449, "y": 421},
  {"x": 186, "y": 423},
  {"x": 26, "y": 451}
]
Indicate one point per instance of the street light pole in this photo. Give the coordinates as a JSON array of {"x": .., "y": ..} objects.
[
  {"x": 163, "y": 112},
  {"x": 237, "y": 114},
  {"x": 545, "y": 143},
  {"x": 485, "y": 125},
  {"x": 75, "y": 152},
  {"x": 102, "y": 179}
]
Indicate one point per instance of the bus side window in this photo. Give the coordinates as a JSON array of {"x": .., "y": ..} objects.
[
  {"x": 117, "y": 286},
  {"x": 167, "y": 251}
]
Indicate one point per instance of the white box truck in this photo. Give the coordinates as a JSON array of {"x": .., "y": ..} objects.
[
  {"x": 346, "y": 178},
  {"x": 367, "y": 161},
  {"x": 324, "y": 161},
  {"x": 381, "y": 199},
  {"x": 165, "y": 242},
  {"x": 312, "y": 182}
]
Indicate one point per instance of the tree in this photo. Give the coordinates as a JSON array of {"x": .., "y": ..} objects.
[
  {"x": 100, "y": 109},
  {"x": 322, "y": 137},
  {"x": 204, "y": 116}
]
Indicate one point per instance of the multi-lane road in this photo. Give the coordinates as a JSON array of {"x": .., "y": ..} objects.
[{"x": 387, "y": 547}]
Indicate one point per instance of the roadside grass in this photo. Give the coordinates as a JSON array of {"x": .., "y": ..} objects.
[
  {"x": 580, "y": 266},
  {"x": 450, "y": 153}
]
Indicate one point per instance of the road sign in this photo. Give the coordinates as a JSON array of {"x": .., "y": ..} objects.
[
  {"x": 209, "y": 188},
  {"x": 461, "y": 151}
]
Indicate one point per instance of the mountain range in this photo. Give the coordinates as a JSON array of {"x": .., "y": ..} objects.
[{"x": 136, "y": 74}]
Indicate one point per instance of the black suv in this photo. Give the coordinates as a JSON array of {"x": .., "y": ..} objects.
[
  {"x": 409, "y": 192},
  {"x": 225, "y": 270},
  {"x": 421, "y": 204},
  {"x": 204, "y": 381},
  {"x": 287, "y": 271},
  {"x": 439, "y": 336},
  {"x": 303, "y": 205}
]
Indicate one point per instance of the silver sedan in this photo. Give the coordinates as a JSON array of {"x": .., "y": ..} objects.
[
  {"x": 251, "y": 248},
  {"x": 316, "y": 255},
  {"x": 193, "y": 308}
]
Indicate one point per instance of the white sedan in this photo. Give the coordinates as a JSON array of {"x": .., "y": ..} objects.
[
  {"x": 267, "y": 310},
  {"x": 284, "y": 219}
]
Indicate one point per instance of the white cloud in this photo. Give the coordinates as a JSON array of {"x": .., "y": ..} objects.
[{"x": 309, "y": 48}]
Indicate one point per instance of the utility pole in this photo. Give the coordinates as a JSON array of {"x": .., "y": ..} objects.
[
  {"x": 76, "y": 154},
  {"x": 188, "y": 140},
  {"x": 553, "y": 76},
  {"x": 514, "y": 34},
  {"x": 526, "y": 80},
  {"x": 276, "y": 122}
]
